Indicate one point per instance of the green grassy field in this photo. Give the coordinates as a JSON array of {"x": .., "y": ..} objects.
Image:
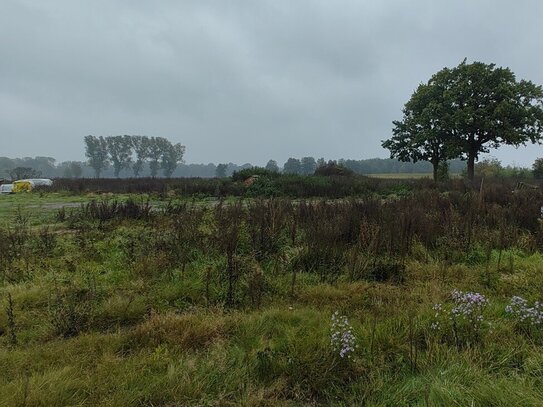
[
  {"x": 38, "y": 206},
  {"x": 101, "y": 313},
  {"x": 41, "y": 209},
  {"x": 401, "y": 175}
]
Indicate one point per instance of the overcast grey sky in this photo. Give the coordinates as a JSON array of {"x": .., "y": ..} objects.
[{"x": 242, "y": 81}]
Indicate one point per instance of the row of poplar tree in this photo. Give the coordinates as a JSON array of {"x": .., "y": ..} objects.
[{"x": 133, "y": 152}]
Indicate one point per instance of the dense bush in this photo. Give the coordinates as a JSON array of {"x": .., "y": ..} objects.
[
  {"x": 245, "y": 173},
  {"x": 270, "y": 184},
  {"x": 333, "y": 170}
]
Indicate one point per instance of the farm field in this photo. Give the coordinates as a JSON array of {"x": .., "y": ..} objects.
[
  {"x": 34, "y": 204},
  {"x": 425, "y": 298},
  {"x": 402, "y": 175},
  {"x": 407, "y": 176}
]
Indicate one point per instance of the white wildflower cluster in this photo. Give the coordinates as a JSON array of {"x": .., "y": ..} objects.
[
  {"x": 520, "y": 309},
  {"x": 436, "y": 325},
  {"x": 468, "y": 308},
  {"x": 342, "y": 338}
]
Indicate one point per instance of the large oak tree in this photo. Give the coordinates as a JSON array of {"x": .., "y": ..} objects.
[
  {"x": 424, "y": 133},
  {"x": 466, "y": 111}
]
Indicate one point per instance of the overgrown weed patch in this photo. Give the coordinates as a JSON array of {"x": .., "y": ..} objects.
[{"x": 186, "y": 303}]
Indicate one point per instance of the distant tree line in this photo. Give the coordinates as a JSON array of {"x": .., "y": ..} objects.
[
  {"x": 308, "y": 165},
  {"x": 28, "y": 167},
  {"x": 35, "y": 167},
  {"x": 133, "y": 152},
  {"x": 492, "y": 168}
]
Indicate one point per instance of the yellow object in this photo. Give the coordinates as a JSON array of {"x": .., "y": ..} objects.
[{"x": 22, "y": 186}]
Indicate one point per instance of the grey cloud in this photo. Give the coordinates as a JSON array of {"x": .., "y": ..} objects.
[{"x": 241, "y": 80}]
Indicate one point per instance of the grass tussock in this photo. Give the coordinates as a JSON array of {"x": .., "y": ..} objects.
[{"x": 188, "y": 332}]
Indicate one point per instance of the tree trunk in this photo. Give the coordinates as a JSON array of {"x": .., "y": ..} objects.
[
  {"x": 471, "y": 165},
  {"x": 436, "y": 169}
]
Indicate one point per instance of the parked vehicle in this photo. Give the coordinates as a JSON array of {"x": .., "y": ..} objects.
[
  {"x": 40, "y": 182},
  {"x": 6, "y": 188},
  {"x": 27, "y": 185},
  {"x": 22, "y": 186}
]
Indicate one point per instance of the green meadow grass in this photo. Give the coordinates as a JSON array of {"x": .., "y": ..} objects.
[
  {"x": 41, "y": 208},
  {"x": 150, "y": 335}
]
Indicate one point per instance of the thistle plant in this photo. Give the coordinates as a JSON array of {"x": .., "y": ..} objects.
[
  {"x": 11, "y": 321},
  {"x": 342, "y": 339}
]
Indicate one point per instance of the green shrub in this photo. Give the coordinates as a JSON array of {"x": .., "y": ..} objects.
[{"x": 242, "y": 175}]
